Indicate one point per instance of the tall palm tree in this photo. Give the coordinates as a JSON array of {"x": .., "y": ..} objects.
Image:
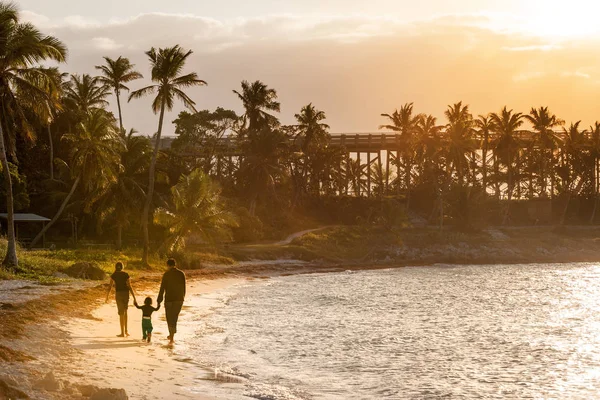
[
  {"x": 258, "y": 100},
  {"x": 506, "y": 124},
  {"x": 166, "y": 65},
  {"x": 51, "y": 81},
  {"x": 544, "y": 123},
  {"x": 84, "y": 93},
  {"x": 457, "y": 112},
  {"x": 22, "y": 48},
  {"x": 115, "y": 74},
  {"x": 313, "y": 136},
  {"x": 263, "y": 167},
  {"x": 311, "y": 129},
  {"x": 404, "y": 122},
  {"x": 94, "y": 158},
  {"x": 428, "y": 146},
  {"x": 125, "y": 195},
  {"x": 459, "y": 134},
  {"x": 573, "y": 169},
  {"x": 197, "y": 209},
  {"x": 594, "y": 146},
  {"x": 484, "y": 127}
]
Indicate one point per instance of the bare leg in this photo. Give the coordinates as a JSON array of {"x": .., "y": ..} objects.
[
  {"x": 122, "y": 323},
  {"x": 125, "y": 323},
  {"x": 149, "y": 337}
]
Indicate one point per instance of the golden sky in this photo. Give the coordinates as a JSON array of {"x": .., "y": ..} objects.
[{"x": 352, "y": 59}]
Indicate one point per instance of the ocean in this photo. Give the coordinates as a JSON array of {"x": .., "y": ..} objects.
[{"x": 437, "y": 332}]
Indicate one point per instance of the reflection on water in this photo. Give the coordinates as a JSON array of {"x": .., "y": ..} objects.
[{"x": 524, "y": 331}]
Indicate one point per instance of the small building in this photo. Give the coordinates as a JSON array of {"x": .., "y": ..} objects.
[{"x": 27, "y": 226}]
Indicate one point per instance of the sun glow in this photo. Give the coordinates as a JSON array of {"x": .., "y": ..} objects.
[{"x": 560, "y": 18}]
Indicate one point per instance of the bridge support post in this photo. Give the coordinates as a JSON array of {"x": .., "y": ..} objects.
[{"x": 369, "y": 168}]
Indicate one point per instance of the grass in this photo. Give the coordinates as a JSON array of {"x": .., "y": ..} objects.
[
  {"x": 41, "y": 265},
  {"x": 348, "y": 242},
  {"x": 355, "y": 243}
]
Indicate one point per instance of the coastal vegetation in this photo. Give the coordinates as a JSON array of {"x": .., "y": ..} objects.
[{"x": 228, "y": 179}]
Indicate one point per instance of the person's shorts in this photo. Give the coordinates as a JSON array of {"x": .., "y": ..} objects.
[
  {"x": 146, "y": 326},
  {"x": 122, "y": 299}
]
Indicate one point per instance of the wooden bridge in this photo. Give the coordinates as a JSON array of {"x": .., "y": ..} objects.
[{"x": 379, "y": 148}]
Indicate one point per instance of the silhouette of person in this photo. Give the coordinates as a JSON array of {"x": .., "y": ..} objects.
[
  {"x": 122, "y": 283},
  {"x": 172, "y": 288}
]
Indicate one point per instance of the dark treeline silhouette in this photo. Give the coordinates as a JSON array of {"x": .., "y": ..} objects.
[{"x": 65, "y": 155}]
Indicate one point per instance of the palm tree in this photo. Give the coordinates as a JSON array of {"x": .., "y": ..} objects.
[
  {"x": 573, "y": 169},
  {"x": 313, "y": 136},
  {"x": 311, "y": 130},
  {"x": 263, "y": 167},
  {"x": 428, "y": 146},
  {"x": 506, "y": 123},
  {"x": 115, "y": 74},
  {"x": 258, "y": 99},
  {"x": 355, "y": 176},
  {"x": 51, "y": 81},
  {"x": 594, "y": 145},
  {"x": 84, "y": 93},
  {"x": 22, "y": 48},
  {"x": 124, "y": 196},
  {"x": 197, "y": 210},
  {"x": 404, "y": 122},
  {"x": 94, "y": 158},
  {"x": 484, "y": 127},
  {"x": 167, "y": 65},
  {"x": 459, "y": 134},
  {"x": 544, "y": 123}
]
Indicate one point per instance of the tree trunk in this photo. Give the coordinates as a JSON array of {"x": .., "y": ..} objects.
[
  {"x": 510, "y": 189},
  {"x": 58, "y": 213},
  {"x": 51, "y": 153},
  {"x": 11, "y": 259},
  {"x": 120, "y": 114},
  {"x": 119, "y": 237},
  {"x": 146, "y": 212},
  {"x": 595, "y": 192},
  {"x": 252, "y": 209},
  {"x": 484, "y": 170}
]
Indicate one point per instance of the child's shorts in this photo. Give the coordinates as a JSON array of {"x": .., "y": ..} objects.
[{"x": 146, "y": 327}]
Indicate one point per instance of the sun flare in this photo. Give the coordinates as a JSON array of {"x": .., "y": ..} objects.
[{"x": 561, "y": 19}]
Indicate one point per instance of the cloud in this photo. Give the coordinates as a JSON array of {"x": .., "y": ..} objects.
[
  {"x": 539, "y": 47},
  {"x": 352, "y": 67},
  {"x": 34, "y": 18},
  {"x": 104, "y": 43}
]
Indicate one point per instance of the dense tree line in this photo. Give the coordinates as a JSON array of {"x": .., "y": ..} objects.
[{"x": 64, "y": 154}]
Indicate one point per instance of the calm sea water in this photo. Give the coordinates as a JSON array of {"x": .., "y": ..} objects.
[{"x": 455, "y": 332}]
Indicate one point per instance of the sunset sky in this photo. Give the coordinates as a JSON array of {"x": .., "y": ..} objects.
[{"x": 353, "y": 59}]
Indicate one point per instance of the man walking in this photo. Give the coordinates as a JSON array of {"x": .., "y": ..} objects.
[{"x": 172, "y": 288}]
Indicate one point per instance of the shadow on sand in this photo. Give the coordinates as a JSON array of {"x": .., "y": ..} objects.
[{"x": 109, "y": 344}]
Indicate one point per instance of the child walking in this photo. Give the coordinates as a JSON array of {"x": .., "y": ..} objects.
[{"x": 147, "y": 311}]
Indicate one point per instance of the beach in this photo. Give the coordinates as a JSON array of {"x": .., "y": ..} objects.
[{"x": 84, "y": 356}]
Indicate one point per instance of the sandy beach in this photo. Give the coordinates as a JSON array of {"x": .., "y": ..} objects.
[{"x": 83, "y": 353}]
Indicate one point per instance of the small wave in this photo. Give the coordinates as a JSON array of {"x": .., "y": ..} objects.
[{"x": 263, "y": 391}]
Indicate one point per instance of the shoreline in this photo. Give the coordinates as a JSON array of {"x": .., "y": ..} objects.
[
  {"x": 155, "y": 370},
  {"x": 81, "y": 352}
]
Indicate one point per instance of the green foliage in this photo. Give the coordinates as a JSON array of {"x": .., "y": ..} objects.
[
  {"x": 250, "y": 228},
  {"x": 190, "y": 259},
  {"x": 349, "y": 210},
  {"x": 19, "y": 188},
  {"x": 41, "y": 265},
  {"x": 348, "y": 242},
  {"x": 197, "y": 209}
]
